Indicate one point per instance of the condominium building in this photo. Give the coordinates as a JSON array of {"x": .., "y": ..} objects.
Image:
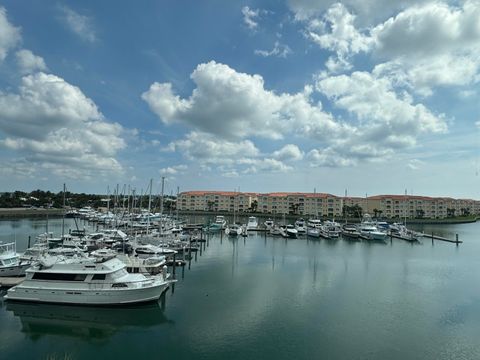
[
  {"x": 214, "y": 201},
  {"x": 412, "y": 206},
  {"x": 328, "y": 205},
  {"x": 312, "y": 204}
]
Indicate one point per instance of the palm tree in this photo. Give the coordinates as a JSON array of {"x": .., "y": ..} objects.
[{"x": 254, "y": 206}]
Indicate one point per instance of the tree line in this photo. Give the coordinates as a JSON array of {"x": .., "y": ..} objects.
[{"x": 48, "y": 199}]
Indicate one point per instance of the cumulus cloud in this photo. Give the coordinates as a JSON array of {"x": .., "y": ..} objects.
[
  {"x": 265, "y": 165},
  {"x": 28, "y": 62},
  {"x": 369, "y": 12},
  {"x": 9, "y": 34},
  {"x": 51, "y": 122},
  {"x": 374, "y": 102},
  {"x": 336, "y": 32},
  {"x": 206, "y": 148},
  {"x": 236, "y": 105},
  {"x": 431, "y": 45},
  {"x": 227, "y": 108},
  {"x": 415, "y": 164},
  {"x": 81, "y": 25},
  {"x": 279, "y": 50},
  {"x": 230, "y": 158},
  {"x": 173, "y": 170},
  {"x": 289, "y": 152},
  {"x": 386, "y": 122},
  {"x": 428, "y": 30},
  {"x": 426, "y": 45},
  {"x": 45, "y": 102},
  {"x": 250, "y": 17}
]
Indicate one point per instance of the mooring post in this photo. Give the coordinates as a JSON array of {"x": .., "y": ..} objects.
[
  {"x": 174, "y": 264},
  {"x": 432, "y": 237},
  {"x": 456, "y": 239},
  {"x": 29, "y": 237}
]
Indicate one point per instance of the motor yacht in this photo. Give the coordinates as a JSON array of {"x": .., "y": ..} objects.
[
  {"x": 252, "y": 223},
  {"x": 233, "y": 230},
  {"x": 87, "y": 281},
  {"x": 10, "y": 262},
  {"x": 301, "y": 226}
]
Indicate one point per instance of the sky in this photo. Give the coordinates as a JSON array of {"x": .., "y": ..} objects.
[{"x": 364, "y": 97}]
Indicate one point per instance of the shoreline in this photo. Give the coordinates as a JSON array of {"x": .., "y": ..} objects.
[
  {"x": 15, "y": 213},
  {"x": 290, "y": 217}
]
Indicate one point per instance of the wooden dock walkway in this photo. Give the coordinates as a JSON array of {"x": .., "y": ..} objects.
[{"x": 440, "y": 238}]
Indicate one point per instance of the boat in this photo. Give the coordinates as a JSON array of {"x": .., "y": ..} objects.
[
  {"x": 149, "y": 249},
  {"x": 252, "y": 223},
  {"x": 402, "y": 232},
  {"x": 350, "y": 231},
  {"x": 87, "y": 281},
  {"x": 289, "y": 231},
  {"x": 151, "y": 265},
  {"x": 314, "y": 227},
  {"x": 314, "y": 223},
  {"x": 369, "y": 231},
  {"x": 220, "y": 220},
  {"x": 275, "y": 231},
  {"x": 10, "y": 262},
  {"x": 233, "y": 230},
  {"x": 269, "y": 223},
  {"x": 332, "y": 228},
  {"x": 301, "y": 226}
]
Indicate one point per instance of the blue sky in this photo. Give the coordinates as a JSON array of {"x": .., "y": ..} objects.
[{"x": 366, "y": 96}]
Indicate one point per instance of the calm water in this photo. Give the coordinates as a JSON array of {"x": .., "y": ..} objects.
[{"x": 275, "y": 298}]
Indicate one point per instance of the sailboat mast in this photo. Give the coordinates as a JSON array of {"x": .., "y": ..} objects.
[
  {"x": 63, "y": 216},
  {"x": 161, "y": 204},
  {"x": 149, "y": 205}
]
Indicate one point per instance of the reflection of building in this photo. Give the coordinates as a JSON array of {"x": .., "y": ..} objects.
[{"x": 322, "y": 204}]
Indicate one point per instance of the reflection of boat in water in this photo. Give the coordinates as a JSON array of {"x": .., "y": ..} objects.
[{"x": 89, "y": 323}]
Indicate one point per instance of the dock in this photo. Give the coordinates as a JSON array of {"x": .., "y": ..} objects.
[
  {"x": 8, "y": 282},
  {"x": 440, "y": 238}
]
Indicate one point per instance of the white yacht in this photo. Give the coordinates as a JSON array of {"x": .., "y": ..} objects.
[
  {"x": 10, "y": 262},
  {"x": 289, "y": 231},
  {"x": 333, "y": 228},
  {"x": 233, "y": 230},
  {"x": 87, "y": 281},
  {"x": 313, "y": 227},
  {"x": 252, "y": 223},
  {"x": 301, "y": 226},
  {"x": 369, "y": 231},
  {"x": 220, "y": 221},
  {"x": 269, "y": 224},
  {"x": 151, "y": 250}
]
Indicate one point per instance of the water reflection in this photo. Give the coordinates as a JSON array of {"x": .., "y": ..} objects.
[{"x": 88, "y": 323}]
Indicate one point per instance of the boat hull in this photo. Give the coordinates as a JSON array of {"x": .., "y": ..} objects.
[
  {"x": 15, "y": 270},
  {"x": 91, "y": 296}
]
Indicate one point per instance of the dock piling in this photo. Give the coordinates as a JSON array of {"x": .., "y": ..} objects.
[
  {"x": 174, "y": 264},
  {"x": 29, "y": 237}
]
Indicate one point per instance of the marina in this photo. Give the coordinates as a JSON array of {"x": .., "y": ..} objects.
[{"x": 302, "y": 287}]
